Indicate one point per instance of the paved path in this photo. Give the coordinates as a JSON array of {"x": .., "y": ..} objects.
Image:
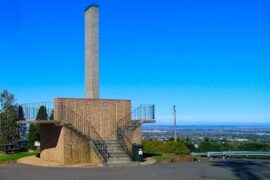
[
  {"x": 34, "y": 161},
  {"x": 218, "y": 169}
]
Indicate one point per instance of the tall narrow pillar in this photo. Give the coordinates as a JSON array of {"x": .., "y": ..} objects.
[{"x": 91, "y": 15}]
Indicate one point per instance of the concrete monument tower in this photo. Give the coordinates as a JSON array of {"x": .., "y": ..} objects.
[
  {"x": 91, "y": 130},
  {"x": 92, "y": 52}
]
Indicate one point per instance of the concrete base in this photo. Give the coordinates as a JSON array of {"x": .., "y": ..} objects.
[
  {"x": 148, "y": 161},
  {"x": 35, "y": 161}
]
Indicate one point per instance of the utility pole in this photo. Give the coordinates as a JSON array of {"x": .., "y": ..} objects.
[{"x": 174, "y": 114}]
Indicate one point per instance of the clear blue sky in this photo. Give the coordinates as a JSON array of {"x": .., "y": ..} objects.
[{"x": 209, "y": 58}]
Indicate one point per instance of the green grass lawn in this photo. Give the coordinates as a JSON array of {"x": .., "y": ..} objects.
[
  {"x": 164, "y": 156},
  {"x": 13, "y": 157}
]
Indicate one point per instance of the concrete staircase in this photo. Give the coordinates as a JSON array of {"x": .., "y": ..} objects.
[{"x": 118, "y": 157}]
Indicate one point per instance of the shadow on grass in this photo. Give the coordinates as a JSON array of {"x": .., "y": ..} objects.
[{"x": 146, "y": 155}]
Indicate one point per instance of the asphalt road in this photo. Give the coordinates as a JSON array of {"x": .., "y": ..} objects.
[{"x": 217, "y": 169}]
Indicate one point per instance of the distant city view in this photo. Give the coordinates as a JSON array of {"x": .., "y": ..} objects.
[{"x": 196, "y": 133}]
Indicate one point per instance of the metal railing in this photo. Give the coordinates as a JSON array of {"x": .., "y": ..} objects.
[
  {"x": 29, "y": 111},
  {"x": 130, "y": 121},
  {"x": 121, "y": 131},
  {"x": 231, "y": 153},
  {"x": 143, "y": 112},
  {"x": 138, "y": 115},
  {"x": 85, "y": 128},
  {"x": 124, "y": 141}
]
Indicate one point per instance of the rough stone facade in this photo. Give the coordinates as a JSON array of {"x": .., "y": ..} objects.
[
  {"x": 52, "y": 143},
  {"x": 63, "y": 145},
  {"x": 68, "y": 147},
  {"x": 103, "y": 114}
]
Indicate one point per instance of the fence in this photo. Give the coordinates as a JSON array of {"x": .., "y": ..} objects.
[
  {"x": 143, "y": 112},
  {"x": 232, "y": 153},
  {"x": 29, "y": 111}
]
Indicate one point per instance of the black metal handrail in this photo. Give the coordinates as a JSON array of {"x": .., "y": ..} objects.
[
  {"x": 75, "y": 121},
  {"x": 143, "y": 112},
  {"x": 122, "y": 138},
  {"x": 124, "y": 141}
]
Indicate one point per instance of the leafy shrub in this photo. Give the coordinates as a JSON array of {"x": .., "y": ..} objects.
[
  {"x": 153, "y": 146},
  {"x": 254, "y": 146}
]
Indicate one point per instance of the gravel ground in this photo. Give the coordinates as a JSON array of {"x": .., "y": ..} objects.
[{"x": 217, "y": 169}]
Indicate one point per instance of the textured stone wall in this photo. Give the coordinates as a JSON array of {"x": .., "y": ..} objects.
[
  {"x": 51, "y": 143},
  {"x": 103, "y": 114},
  {"x": 77, "y": 149},
  {"x": 135, "y": 136},
  {"x": 63, "y": 145}
]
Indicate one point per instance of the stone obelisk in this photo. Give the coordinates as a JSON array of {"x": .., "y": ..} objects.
[{"x": 91, "y": 15}]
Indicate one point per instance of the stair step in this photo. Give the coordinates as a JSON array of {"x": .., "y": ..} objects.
[
  {"x": 111, "y": 138},
  {"x": 115, "y": 155},
  {"x": 119, "y": 162},
  {"x": 113, "y": 145},
  {"x": 117, "y": 158},
  {"x": 122, "y": 163},
  {"x": 111, "y": 142},
  {"x": 116, "y": 152}
]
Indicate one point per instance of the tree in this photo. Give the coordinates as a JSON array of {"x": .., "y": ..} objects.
[
  {"x": 22, "y": 127},
  {"x": 254, "y": 146},
  {"x": 51, "y": 117},
  {"x": 6, "y": 100},
  {"x": 9, "y": 132},
  {"x": 34, "y": 129},
  {"x": 33, "y": 135},
  {"x": 42, "y": 113},
  {"x": 188, "y": 143},
  {"x": 208, "y": 145}
]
